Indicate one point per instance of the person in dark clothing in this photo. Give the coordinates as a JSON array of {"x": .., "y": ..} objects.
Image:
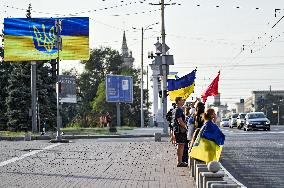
[
  {"x": 170, "y": 116},
  {"x": 108, "y": 119},
  {"x": 180, "y": 131},
  {"x": 185, "y": 150},
  {"x": 198, "y": 115}
]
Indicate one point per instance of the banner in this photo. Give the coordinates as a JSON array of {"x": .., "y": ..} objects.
[
  {"x": 119, "y": 88},
  {"x": 68, "y": 89},
  {"x": 28, "y": 39}
]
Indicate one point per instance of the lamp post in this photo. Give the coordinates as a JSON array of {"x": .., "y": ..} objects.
[
  {"x": 142, "y": 62},
  {"x": 278, "y": 110}
]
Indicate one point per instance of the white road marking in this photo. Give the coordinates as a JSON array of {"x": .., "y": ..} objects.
[
  {"x": 278, "y": 143},
  {"x": 27, "y": 155}
]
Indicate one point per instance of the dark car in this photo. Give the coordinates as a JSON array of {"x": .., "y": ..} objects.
[{"x": 256, "y": 120}]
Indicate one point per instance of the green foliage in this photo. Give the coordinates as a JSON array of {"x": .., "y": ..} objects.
[
  {"x": 5, "y": 69},
  {"x": 18, "y": 99},
  {"x": 91, "y": 92},
  {"x": 102, "y": 61},
  {"x": 46, "y": 94}
]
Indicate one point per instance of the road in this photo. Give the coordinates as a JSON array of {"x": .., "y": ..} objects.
[
  {"x": 115, "y": 162},
  {"x": 255, "y": 158}
]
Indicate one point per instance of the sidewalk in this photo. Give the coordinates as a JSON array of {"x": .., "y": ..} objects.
[{"x": 105, "y": 162}]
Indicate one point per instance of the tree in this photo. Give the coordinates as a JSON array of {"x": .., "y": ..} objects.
[
  {"x": 5, "y": 69},
  {"x": 19, "y": 97},
  {"x": 46, "y": 94},
  {"x": 130, "y": 112},
  {"x": 102, "y": 61}
]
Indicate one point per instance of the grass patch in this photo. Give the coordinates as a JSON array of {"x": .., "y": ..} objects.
[
  {"x": 93, "y": 131},
  {"x": 14, "y": 134},
  {"x": 76, "y": 130}
]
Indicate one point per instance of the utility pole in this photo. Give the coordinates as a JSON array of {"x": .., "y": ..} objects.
[
  {"x": 164, "y": 68},
  {"x": 147, "y": 103},
  {"x": 142, "y": 112},
  {"x": 142, "y": 69},
  {"x": 58, "y": 42},
  {"x": 33, "y": 84}
]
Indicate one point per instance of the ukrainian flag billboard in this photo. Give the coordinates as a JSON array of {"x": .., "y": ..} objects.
[{"x": 28, "y": 39}]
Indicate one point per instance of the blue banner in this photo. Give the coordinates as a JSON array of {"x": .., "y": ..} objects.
[{"x": 119, "y": 88}]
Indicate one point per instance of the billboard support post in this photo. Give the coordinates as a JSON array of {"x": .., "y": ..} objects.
[
  {"x": 58, "y": 85},
  {"x": 33, "y": 94},
  {"x": 118, "y": 118}
]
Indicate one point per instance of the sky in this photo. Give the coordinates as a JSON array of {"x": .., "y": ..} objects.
[{"x": 235, "y": 37}]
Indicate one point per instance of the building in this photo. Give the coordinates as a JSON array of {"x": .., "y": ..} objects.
[
  {"x": 126, "y": 55},
  {"x": 258, "y": 97},
  {"x": 240, "y": 106},
  {"x": 249, "y": 105},
  {"x": 221, "y": 110}
]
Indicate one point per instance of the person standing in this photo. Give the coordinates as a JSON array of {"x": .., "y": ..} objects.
[
  {"x": 108, "y": 119},
  {"x": 198, "y": 115},
  {"x": 170, "y": 116},
  {"x": 180, "y": 131}
]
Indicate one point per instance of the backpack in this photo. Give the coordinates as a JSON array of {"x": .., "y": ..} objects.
[{"x": 169, "y": 115}]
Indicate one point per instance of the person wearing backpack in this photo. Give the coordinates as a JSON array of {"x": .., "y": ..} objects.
[{"x": 170, "y": 117}]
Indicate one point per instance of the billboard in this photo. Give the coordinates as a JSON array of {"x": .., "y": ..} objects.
[
  {"x": 28, "y": 39},
  {"x": 119, "y": 88},
  {"x": 68, "y": 89}
]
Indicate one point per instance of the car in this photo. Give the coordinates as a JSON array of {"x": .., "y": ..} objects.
[
  {"x": 233, "y": 120},
  {"x": 224, "y": 122},
  {"x": 256, "y": 120},
  {"x": 241, "y": 120}
]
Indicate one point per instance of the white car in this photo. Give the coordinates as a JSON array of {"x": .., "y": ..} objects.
[
  {"x": 233, "y": 120},
  {"x": 224, "y": 122},
  {"x": 241, "y": 120}
]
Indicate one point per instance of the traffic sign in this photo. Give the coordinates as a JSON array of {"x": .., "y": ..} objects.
[{"x": 119, "y": 88}]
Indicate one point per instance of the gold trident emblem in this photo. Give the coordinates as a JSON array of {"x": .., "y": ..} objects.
[{"x": 45, "y": 40}]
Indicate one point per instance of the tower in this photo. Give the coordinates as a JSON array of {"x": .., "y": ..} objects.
[{"x": 126, "y": 56}]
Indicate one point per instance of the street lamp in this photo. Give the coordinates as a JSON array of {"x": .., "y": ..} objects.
[
  {"x": 278, "y": 110},
  {"x": 142, "y": 53},
  {"x": 278, "y": 120}
]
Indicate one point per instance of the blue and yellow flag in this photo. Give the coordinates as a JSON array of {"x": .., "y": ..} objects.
[
  {"x": 208, "y": 144},
  {"x": 181, "y": 87},
  {"x": 29, "y": 39},
  {"x": 173, "y": 75}
]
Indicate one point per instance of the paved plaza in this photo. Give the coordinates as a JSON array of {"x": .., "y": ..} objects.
[{"x": 121, "y": 162}]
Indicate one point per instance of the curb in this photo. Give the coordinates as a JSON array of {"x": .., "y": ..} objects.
[
  {"x": 206, "y": 179},
  {"x": 7, "y": 138}
]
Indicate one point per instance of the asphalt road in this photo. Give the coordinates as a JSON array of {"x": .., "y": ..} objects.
[{"x": 255, "y": 158}]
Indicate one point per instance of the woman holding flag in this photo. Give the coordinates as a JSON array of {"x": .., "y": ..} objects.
[{"x": 210, "y": 140}]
